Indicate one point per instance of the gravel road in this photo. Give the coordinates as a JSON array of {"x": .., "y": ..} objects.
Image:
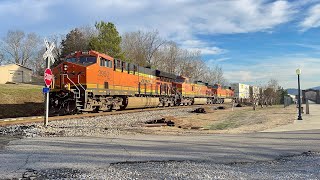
[{"x": 304, "y": 166}]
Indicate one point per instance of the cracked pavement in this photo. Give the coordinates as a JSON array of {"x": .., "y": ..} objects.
[{"x": 91, "y": 153}]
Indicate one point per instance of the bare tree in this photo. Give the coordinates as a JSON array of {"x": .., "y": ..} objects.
[
  {"x": 149, "y": 49},
  {"x": 133, "y": 46},
  {"x": 39, "y": 63},
  {"x": 214, "y": 74},
  {"x": 20, "y": 48},
  {"x": 141, "y": 47},
  {"x": 56, "y": 39},
  {"x": 88, "y": 31},
  {"x": 1, "y": 58},
  {"x": 166, "y": 57},
  {"x": 153, "y": 43}
]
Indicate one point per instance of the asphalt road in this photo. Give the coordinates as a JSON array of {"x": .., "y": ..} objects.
[{"x": 94, "y": 153}]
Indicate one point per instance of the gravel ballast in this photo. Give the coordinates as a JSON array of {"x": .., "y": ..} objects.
[{"x": 99, "y": 126}]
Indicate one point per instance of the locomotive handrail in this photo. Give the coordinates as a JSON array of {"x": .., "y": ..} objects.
[
  {"x": 80, "y": 83},
  {"x": 78, "y": 95}
]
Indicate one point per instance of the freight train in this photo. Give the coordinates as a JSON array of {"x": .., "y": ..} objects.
[{"x": 91, "y": 81}]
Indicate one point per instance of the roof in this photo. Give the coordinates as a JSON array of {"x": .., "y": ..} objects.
[{"x": 17, "y": 65}]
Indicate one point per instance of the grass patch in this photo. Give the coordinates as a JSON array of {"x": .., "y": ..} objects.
[
  {"x": 243, "y": 117},
  {"x": 18, "y": 100},
  {"x": 223, "y": 125}
]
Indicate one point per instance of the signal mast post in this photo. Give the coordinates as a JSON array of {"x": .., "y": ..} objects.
[{"x": 48, "y": 57}]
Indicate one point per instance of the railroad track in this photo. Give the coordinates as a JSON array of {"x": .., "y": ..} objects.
[{"x": 34, "y": 119}]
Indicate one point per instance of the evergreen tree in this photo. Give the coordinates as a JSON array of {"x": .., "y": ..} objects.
[
  {"x": 282, "y": 93},
  {"x": 75, "y": 41},
  {"x": 108, "y": 40}
]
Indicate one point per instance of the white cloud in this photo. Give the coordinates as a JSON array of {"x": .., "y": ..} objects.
[
  {"x": 179, "y": 21},
  {"x": 212, "y": 62},
  {"x": 208, "y": 50},
  {"x": 226, "y": 17},
  {"x": 31, "y": 11},
  {"x": 203, "y": 46},
  {"x": 280, "y": 68},
  {"x": 312, "y": 19}
]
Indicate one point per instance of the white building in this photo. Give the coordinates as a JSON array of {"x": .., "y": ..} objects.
[{"x": 15, "y": 73}]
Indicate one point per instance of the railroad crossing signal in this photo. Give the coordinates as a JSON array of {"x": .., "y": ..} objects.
[{"x": 48, "y": 54}]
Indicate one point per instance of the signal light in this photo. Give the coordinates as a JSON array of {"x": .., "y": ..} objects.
[{"x": 65, "y": 67}]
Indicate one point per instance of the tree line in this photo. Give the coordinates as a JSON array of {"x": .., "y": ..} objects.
[{"x": 145, "y": 48}]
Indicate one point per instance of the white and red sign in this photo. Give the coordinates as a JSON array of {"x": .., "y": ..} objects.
[{"x": 48, "y": 77}]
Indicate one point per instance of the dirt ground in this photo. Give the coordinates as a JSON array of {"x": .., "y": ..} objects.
[{"x": 240, "y": 120}]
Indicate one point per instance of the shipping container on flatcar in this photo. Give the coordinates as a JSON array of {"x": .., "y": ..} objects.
[{"x": 241, "y": 91}]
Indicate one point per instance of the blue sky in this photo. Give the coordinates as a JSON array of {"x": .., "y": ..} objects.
[{"x": 253, "y": 40}]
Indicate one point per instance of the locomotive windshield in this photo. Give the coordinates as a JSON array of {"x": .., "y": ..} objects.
[{"x": 84, "y": 60}]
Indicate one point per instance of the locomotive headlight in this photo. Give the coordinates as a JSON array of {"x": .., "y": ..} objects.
[
  {"x": 65, "y": 67},
  {"x": 67, "y": 86}
]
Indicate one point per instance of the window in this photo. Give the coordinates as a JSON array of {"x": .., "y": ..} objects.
[
  {"x": 109, "y": 63},
  {"x": 84, "y": 60},
  {"x": 118, "y": 64},
  {"x": 134, "y": 69},
  {"x": 102, "y": 62},
  {"x": 73, "y": 60},
  {"x": 106, "y": 63},
  {"x": 123, "y": 66},
  {"x": 87, "y": 60},
  {"x": 128, "y": 68}
]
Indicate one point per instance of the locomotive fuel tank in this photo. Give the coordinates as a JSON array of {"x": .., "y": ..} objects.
[
  {"x": 142, "y": 102},
  {"x": 199, "y": 101},
  {"x": 227, "y": 100}
]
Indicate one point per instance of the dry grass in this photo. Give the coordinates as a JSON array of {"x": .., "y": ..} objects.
[
  {"x": 20, "y": 100},
  {"x": 241, "y": 120}
]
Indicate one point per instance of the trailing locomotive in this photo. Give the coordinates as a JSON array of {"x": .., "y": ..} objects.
[{"x": 92, "y": 81}]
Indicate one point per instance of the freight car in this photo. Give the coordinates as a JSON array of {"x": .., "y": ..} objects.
[{"x": 92, "y": 81}]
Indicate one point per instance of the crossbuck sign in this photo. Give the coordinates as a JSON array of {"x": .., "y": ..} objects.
[{"x": 48, "y": 54}]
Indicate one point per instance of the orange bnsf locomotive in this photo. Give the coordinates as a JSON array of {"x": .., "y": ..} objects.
[{"x": 92, "y": 81}]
